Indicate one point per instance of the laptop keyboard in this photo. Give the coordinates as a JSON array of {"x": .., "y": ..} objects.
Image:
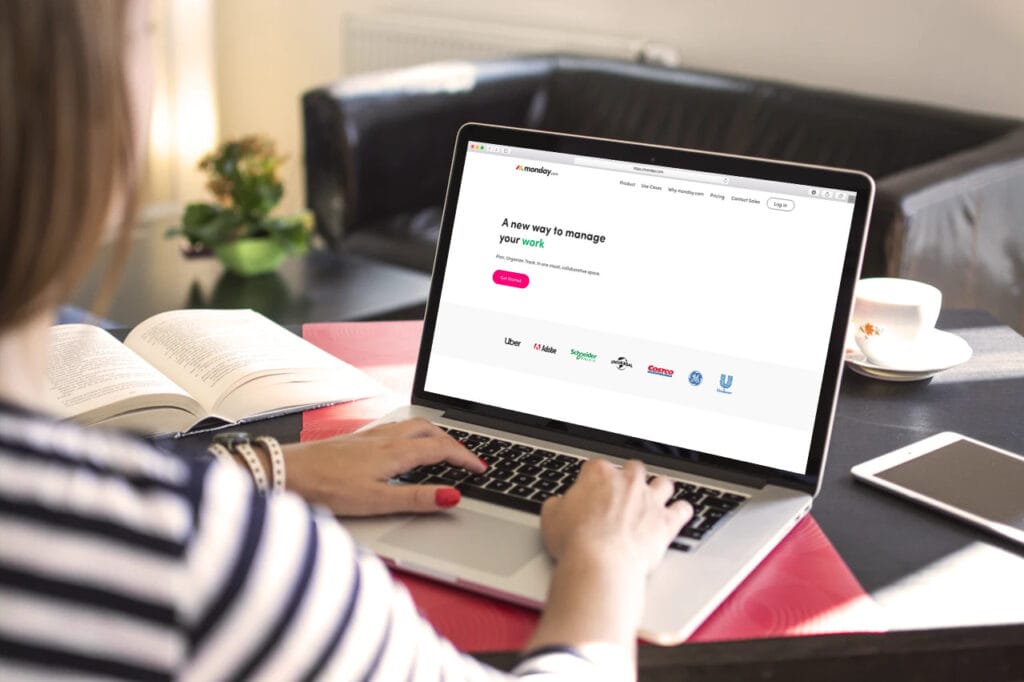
[{"x": 522, "y": 477}]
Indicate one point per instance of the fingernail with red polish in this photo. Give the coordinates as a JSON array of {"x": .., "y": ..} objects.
[
  {"x": 447, "y": 497},
  {"x": 484, "y": 463}
]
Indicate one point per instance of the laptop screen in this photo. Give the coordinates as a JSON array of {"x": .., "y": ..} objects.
[{"x": 684, "y": 307}]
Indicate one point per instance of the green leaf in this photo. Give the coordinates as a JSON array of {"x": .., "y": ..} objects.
[
  {"x": 255, "y": 196},
  {"x": 226, "y": 227},
  {"x": 291, "y": 232},
  {"x": 227, "y": 163},
  {"x": 210, "y": 224},
  {"x": 199, "y": 214}
]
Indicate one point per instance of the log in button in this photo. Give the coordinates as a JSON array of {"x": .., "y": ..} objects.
[{"x": 777, "y": 204}]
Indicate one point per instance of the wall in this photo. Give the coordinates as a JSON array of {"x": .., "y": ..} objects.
[
  {"x": 183, "y": 125},
  {"x": 268, "y": 53},
  {"x": 957, "y": 53}
]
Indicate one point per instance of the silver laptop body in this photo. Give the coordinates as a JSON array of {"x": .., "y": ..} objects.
[{"x": 594, "y": 298}]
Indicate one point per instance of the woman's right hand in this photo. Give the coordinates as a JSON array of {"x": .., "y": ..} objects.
[
  {"x": 612, "y": 513},
  {"x": 606, "y": 534}
]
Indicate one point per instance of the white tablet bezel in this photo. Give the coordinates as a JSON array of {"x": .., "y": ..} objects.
[{"x": 867, "y": 472}]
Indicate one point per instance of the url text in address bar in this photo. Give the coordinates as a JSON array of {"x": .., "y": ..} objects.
[{"x": 652, "y": 171}]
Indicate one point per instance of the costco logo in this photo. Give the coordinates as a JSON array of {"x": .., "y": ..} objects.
[
  {"x": 660, "y": 371},
  {"x": 534, "y": 169}
]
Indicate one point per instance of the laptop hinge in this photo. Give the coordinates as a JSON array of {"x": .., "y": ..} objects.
[{"x": 655, "y": 459}]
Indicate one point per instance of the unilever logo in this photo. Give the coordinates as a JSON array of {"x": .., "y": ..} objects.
[
  {"x": 583, "y": 355},
  {"x": 534, "y": 169},
  {"x": 725, "y": 383}
]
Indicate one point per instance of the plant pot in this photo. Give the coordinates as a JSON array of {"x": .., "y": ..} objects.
[{"x": 251, "y": 256}]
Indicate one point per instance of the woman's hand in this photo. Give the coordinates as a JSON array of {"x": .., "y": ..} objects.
[
  {"x": 613, "y": 514},
  {"x": 606, "y": 534},
  {"x": 349, "y": 474}
]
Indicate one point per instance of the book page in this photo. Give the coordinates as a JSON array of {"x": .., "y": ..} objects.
[
  {"x": 215, "y": 353},
  {"x": 269, "y": 395},
  {"x": 91, "y": 377},
  {"x": 151, "y": 421}
]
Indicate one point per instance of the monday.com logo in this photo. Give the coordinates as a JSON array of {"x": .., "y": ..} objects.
[
  {"x": 534, "y": 169},
  {"x": 660, "y": 371},
  {"x": 583, "y": 355}
]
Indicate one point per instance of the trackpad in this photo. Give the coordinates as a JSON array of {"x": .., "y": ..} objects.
[{"x": 478, "y": 541}]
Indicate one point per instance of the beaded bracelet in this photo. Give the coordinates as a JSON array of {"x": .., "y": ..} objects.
[
  {"x": 277, "y": 472},
  {"x": 221, "y": 453},
  {"x": 239, "y": 442}
]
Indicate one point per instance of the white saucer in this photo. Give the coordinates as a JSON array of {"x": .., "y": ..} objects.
[{"x": 939, "y": 351}]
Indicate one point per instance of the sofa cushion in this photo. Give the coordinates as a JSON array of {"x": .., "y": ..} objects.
[
  {"x": 878, "y": 137},
  {"x": 644, "y": 104},
  {"x": 755, "y": 118}
]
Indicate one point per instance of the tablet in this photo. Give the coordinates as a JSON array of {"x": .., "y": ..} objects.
[{"x": 960, "y": 476}]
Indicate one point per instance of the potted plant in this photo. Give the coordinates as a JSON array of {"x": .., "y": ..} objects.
[{"x": 238, "y": 228}]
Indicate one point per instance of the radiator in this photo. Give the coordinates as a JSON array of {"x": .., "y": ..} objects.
[{"x": 372, "y": 42}]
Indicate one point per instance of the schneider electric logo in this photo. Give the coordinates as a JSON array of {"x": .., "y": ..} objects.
[
  {"x": 582, "y": 355},
  {"x": 534, "y": 169}
]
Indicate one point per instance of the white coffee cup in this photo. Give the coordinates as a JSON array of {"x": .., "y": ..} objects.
[{"x": 892, "y": 317}]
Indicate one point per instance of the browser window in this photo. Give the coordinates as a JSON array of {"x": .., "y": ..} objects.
[{"x": 672, "y": 305}]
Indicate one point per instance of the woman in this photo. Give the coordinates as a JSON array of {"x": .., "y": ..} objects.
[{"x": 119, "y": 560}]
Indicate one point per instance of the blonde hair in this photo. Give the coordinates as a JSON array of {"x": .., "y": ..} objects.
[{"x": 67, "y": 158}]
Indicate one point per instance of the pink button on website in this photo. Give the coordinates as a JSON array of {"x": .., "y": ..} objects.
[{"x": 511, "y": 279}]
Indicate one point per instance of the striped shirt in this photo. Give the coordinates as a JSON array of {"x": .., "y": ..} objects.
[{"x": 118, "y": 560}]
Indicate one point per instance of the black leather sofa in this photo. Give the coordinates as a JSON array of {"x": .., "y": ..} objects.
[{"x": 950, "y": 202}]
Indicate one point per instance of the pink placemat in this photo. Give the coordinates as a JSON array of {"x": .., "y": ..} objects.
[{"x": 803, "y": 587}]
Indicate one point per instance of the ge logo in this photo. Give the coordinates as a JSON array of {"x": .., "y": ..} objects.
[{"x": 695, "y": 378}]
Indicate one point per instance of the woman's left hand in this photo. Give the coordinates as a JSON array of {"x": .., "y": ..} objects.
[{"x": 349, "y": 474}]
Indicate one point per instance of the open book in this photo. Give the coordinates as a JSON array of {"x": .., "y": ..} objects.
[{"x": 189, "y": 370}]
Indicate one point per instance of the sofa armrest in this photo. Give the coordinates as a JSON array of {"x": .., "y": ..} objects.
[
  {"x": 380, "y": 145},
  {"x": 958, "y": 223}
]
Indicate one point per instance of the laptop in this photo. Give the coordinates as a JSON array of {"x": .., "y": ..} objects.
[{"x": 597, "y": 298}]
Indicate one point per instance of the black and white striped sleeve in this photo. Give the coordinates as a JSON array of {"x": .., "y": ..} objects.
[
  {"x": 118, "y": 561},
  {"x": 93, "y": 528}
]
